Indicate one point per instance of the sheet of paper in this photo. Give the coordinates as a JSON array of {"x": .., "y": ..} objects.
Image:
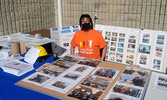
[{"x": 32, "y": 55}]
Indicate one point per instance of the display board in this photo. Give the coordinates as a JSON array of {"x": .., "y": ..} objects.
[
  {"x": 134, "y": 46},
  {"x": 89, "y": 77},
  {"x": 157, "y": 87},
  {"x": 64, "y": 36},
  {"x": 74, "y": 77}
]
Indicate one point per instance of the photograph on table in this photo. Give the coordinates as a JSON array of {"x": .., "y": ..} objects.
[
  {"x": 156, "y": 64},
  {"x": 96, "y": 82},
  {"x": 81, "y": 68},
  {"x": 146, "y": 38},
  {"x": 127, "y": 90},
  {"x": 106, "y": 72},
  {"x": 141, "y": 72},
  {"x": 122, "y": 35},
  {"x": 112, "y": 58},
  {"x": 85, "y": 93},
  {"x": 51, "y": 70},
  {"x": 114, "y": 34},
  {"x": 116, "y": 96},
  {"x": 72, "y": 76},
  {"x": 71, "y": 58},
  {"x": 108, "y": 43},
  {"x": 160, "y": 82},
  {"x": 158, "y": 51},
  {"x": 89, "y": 62},
  {"x": 144, "y": 49},
  {"x": 38, "y": 78},
  {"x": 111, "y": 53},
  {"x": 63, "y": 64}
]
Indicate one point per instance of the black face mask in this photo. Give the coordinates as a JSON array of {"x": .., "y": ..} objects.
[{"x": 85, "y": 26}]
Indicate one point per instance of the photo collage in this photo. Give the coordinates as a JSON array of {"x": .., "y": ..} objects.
[
  {"x": 145, "y": 48},
  {"x": 130, "y": 85},
  {"x": 161, "y": 82},
  {"x": 121, "y": 44},
  {"x": 63, "y": 74},
  {"x": 95, "y": 84}
]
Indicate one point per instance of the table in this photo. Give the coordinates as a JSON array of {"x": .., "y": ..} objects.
[{"x": 9, "y": 91}]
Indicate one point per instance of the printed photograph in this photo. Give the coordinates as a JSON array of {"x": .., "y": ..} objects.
[
  {"x": 107, "y": 38},
  {"x": 120, "y": 55},
  {"x": 106, "y": 72},
  {"x": 161, "y": 42},
  {"x": 114, "y": 39},
  {"x": 130, "y": 56},
  {"x": 120, "y": 50},
  {"x": 156, "y": 64},
  {"x": 51, "y": 70},
  {"x": 132, "y": 36},
  {"x": 119, "y": 60},
  {"x": 121, "y": 40},
  {"x": 122, "y": 35},
  {"x": 161, "y": 37},
  {"x": 114, "y": 34},
  {"x": 112, "y": 48},
  {"x": 85, "y": 93},
  {"x": 158, "y": 51},
  {"x": 81, "y": 68},
  {"x": 132, "y": 40},
  {"x": 60, "y": 84},
  {"x": 131, "y": 46},
  {"x": 113, "y": 96},
  {"x": 71, "y": 58},
  {"x": 144, "y": 49},
  {"x": 133, "y": 80},
  {"x": 141, "y": 72},
  {"x": 89, "y": 62},
  {"x": 107, "y": 33},
  {"x": 113, "y": 44},
  {"x": 130, "y": 91},
  {"x": 112, "y": 58},
  {"x": 161, "y": 83},
  {"x": 111, "y": 53},
  {"x": 63, "y": 64},
  {"x": 129, "y": 61},
  {"x": 130, "y": 50},
  {"x": 72, "y": 76},
  {"x": 146, "y": 38},
  {"x": 38, "y": 78},
  {"x": 96, "y": 82},
  {"x": 65, "y": 44},
  {"x": 107, "y": 43},
  {"x": 120, "y": 45},
  {"x": 143, "y": 59}
]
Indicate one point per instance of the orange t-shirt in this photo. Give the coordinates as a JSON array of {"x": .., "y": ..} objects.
[{"x": 89, "y": 44}]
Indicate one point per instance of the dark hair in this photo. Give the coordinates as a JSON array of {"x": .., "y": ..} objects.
[{"x": 87, "y": 16}]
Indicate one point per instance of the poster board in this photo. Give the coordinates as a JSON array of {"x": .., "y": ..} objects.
[
  {"x": 145, "y": 48},
  {"x": 157, "y": 87},
  {"x": 85, "y": 62}
]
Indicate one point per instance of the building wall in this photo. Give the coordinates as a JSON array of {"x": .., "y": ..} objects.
[
  {"x": 30, "y": 15},
  {"x": 26, "y": 15},
  {"x": 142, "y": 14}
]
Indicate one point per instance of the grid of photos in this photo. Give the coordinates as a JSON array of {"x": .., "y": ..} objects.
[
  {"x": 130, "y": 84},
  {"x": 95, "y": 84},
  {"x": 69, "y": 79}
]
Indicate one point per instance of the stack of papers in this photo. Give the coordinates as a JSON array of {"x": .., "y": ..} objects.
[{"x": 17, "y": 68}]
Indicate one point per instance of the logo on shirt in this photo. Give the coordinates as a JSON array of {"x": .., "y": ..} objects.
[{"x": 85, "y": 44}]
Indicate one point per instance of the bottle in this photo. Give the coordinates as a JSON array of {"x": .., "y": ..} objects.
[{"x": 8, "y": 42}]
